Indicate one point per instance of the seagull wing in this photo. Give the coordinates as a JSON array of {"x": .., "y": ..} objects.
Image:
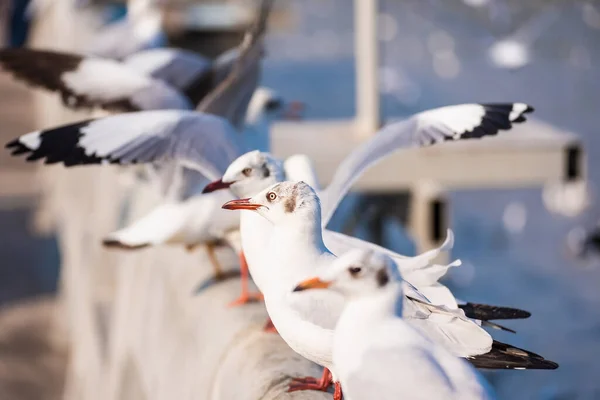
[
  {"x": 85, "y": 82},
  {"x": 122, "y": 38},
  {"x": 419, "y": 370},
  {"x": 465, "y": 121},
  {"x": 203, "y": 142},
  {"x": 447, "y": 327},
  {"x": 203, "y": 84},
  {"x": 300, "y": 167},
  {"x": 178, "y": 68},
  {"x": 231, "y": 97}
]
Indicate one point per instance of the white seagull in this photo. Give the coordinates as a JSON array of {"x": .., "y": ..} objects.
[
  {"x": 306, "y": 321},
  {"x": 255, "y": 171},
  {"x": 377, "y": 354}
]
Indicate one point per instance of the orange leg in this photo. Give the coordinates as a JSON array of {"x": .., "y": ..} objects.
[
  {"x": 210, "y": 249},
  {"x": 269, "y": 327},
  {"x": 337, "y": 393},
  {"x": 310, "y": 383},
  {"x": 245, "y": 297}
]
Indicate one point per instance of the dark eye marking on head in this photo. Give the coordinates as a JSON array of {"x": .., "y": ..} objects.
[
  {"x": 382, "y": 277},
  {"x": 354, "y": 271},
  {"x": 266, "y": 171},
  {"x": 290, "y": 204}
]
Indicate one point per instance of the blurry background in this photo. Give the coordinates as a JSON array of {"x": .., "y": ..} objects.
[{"x": 519, "y": 247}]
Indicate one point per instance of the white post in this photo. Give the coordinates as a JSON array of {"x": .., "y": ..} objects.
[
  {"x": 366, "y": 59},
  {"x": 428, "y": 218}
]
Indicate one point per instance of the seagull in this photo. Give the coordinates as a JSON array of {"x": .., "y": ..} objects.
[
  {"x": 141, "y": 29},
  {"x": 376, "y": 353},
  {"x": 305, "y": 321},
  {"x": 255, "y": 171},
  {"x": 168, "y": 140},
  {"x": 160, "y": 78},
  {"x": 164, "y": 78}
]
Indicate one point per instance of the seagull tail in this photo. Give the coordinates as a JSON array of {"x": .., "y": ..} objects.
[
  {"x": 160, "y": 226},
  {"x": 505, "y": 356}
]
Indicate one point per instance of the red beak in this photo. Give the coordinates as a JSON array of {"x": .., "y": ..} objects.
[
  {"x": 294, "y": 111},
  {"x": 216, "y": 185},
  {"x": 241, "y": 204}
]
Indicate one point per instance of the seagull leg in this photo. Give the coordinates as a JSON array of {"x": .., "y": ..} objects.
[
  {"x": 337, "y": 393},
  {"x": 210, "y": 249},
  {"x": 245, "y": 297},
  {"x": 269, "y": 327},
  {"x": 310, "y": 383}
]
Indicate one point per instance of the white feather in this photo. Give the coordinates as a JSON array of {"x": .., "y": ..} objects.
[
  {"x": 106, "y": 80},
  {"x": 31, "y": 140}
]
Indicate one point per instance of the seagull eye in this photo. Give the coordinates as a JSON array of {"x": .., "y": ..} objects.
[
  {"x": 247, "y": 171},
  {"x": 354, "y": 271},
  {"x": 271, "y": 196}
]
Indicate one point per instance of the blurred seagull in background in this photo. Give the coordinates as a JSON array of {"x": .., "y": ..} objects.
[
  {"x": 376, "y": 353},
  {"x": 296, "y": 251},
  {"x": 161, "y": 78},
  {"x": 141, "y": 29},
  {"x": 185, "y": 148},
  {"x": 153, "y": 79}
]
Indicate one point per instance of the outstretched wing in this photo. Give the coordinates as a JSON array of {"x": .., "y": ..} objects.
[
  {"x": 177, "y": 67},
  {"x": 231, "y": 97},
  {"x": 85, "y": 82},
  {"x": 199, "y": 141},
  {"x": 465, "y": 121}
]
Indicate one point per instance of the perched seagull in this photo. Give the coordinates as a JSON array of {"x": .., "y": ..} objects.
[
  {"x": 377, "y": 354},
  {"x": 296, "y": 251},
  {"x": 169, "y": 140},
  {"x": 255, "y": 171}
]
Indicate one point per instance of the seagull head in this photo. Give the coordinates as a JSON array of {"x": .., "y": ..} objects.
[
  {"x": 266, "y": 104},
  {"x": 249, "y": 174},
  {"x": 355, "y": 274},
  {"x": 283, "y": 203}
]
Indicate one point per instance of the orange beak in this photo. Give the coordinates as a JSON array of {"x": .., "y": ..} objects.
[
  {"x": 216, "y": 185},
  {"x": 294, "y": 111},
  {"x": 241, "y": 204},
  {"x": 312, "y": 283}
]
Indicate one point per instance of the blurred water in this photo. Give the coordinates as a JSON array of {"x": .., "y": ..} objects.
[{"x": 528, "y": 267}]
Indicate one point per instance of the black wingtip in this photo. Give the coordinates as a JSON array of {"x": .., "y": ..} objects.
[
  {"x": 505, "y": 356},
  {"x": 497, "y": 326},
  {"x": 486, "y": 312},
  {"x": 17, "y": 148},
  {"x": 12, "y": 143},
  {"x": 116, "y": 244}
]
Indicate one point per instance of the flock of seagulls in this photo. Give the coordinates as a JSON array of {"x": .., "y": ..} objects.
[{"x": 379, "y": 323}]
